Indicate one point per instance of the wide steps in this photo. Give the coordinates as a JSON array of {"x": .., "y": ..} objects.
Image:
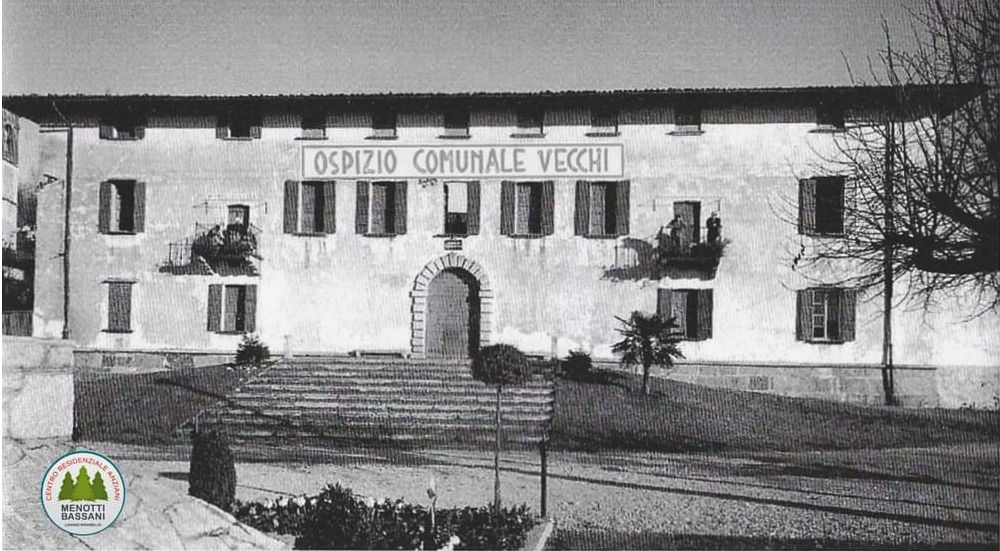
[
  {"x": 338, "y": 397},
  {"x": 321, "y": 407}
]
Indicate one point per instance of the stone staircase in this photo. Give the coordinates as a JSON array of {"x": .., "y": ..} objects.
[{"x": 386, "y": 401}]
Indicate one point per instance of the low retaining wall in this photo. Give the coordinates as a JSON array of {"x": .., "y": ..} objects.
[
  {"x": 37, "y": 388},
  {"x": 94, "y": 361},
  {"x": 859, "y": 384}
]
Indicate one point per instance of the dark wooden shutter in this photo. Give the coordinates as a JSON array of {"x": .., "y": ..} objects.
[
  {"x": 221, "y": 127},
  {"x": 329, "y": 207},
  {"x": 803, "y": 315},
  {"x": 215, "y": 308},
  {"x": 291, "y": 206},
  {"x": 104, "y": 208},
  {"x": 705, "y": 306},
  {"x": 807, "y": 206},
  {"x": 139, "y": 197},
  {"x": 250, "y": 309},
  {"x": 507, "y": 200},
  {"x": 548, "y": 206},
  {"x": 473, "y": 199},
  {"x": 255, "y": 128},
  {"x": 107, "y": 132},
  {"x": 399, "y": 215},
  {"x": 664, "y": 303},
  {"x": 361, "y": 212},
  {"x": 846, "y": 306},
  {"x": 581, "y": 222},
  {"x": 119, "y": 307},
  {"x": 622, "y": 208},
  {"x": 140, "y": 130}
]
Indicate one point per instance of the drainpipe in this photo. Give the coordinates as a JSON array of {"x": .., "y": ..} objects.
[{"x": 66, "y": 219}]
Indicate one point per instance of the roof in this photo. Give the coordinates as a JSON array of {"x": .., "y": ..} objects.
[{"x": 944, "y": 98}]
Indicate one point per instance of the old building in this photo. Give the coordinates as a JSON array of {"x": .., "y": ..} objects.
[{"x": 433, "y": 224}]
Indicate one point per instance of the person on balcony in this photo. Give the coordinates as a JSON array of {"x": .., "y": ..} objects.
[
  {"x": 714, "y": 225},
  {"x": 679, "y": 237}
]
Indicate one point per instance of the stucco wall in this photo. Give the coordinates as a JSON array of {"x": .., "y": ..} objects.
[{"x": 345, "y": 291}]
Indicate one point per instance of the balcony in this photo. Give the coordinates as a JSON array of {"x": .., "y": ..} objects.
[
  {"x": 222, "y": 249},
  {"x": 637, "y": 259}
]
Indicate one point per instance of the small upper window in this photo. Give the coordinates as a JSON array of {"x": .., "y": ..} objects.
[
  {"x": 829, "y": 118},
  {"x": 603, "y": 121},
  {"x": 530, "y": 122},
  {"x": 314, "y": 125},
  {"x": 238, "y": 126},
  {"x": 687, "y": 120},
  {"x": 122, "y": 126},
  {"x": 456, "y": 123},
  {"x": 384, "y": 125}
]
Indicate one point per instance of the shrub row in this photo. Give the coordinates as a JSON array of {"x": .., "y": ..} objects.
[{"x": 338, "y": 519}]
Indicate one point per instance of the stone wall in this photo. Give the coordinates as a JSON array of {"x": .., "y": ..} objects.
[{"x": 37, "y": 388}]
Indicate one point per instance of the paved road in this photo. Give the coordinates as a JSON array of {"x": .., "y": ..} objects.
[{"x": 903, "y": 496}]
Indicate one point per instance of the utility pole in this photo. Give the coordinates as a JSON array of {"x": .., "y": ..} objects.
[{"x": 888, "y": 384}]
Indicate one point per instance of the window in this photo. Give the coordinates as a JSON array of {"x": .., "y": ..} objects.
[
  {"x": 602, "y": 209},
  {"x": 821, "y": 206},
  {"x": 603, "y": 121},
  {"x": 313, "y": 125},
  {"x": 526, "y": 208},
  {"x": 461, "y": 208},
  {"x": 829, "y": 118},
  {"x": 530, "y": 122},
  {"x": 687, "y": 120},
  {"x": 122, "y": 126},
  {"x": 381, "y": 208},
  {"x": 826, "y": 314},
  {"x": 119, "y": 306},
  {"x": 122, "y": 206},
  {"x": 11, "y": 129},
  {"x": 692, "y": 309},
  {"x": 310, "y": 207},
  {"x": 456, "y": 123},
  {"x": 232, "y": 308},
  {"x": 237, "y": 125},
  {"x": 384, "y": 125}
]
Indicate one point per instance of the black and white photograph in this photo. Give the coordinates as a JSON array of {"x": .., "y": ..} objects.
[{"x": 508, "y": 275}]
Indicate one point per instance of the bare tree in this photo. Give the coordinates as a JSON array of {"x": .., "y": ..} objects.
[{"x": 921, "y": 196}]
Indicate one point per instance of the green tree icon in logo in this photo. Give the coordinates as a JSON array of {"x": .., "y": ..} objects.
[
  {"x": 100, "y": 493},
  {"x": 82, "y": 490},
  {"x": 66, "y": 490}
]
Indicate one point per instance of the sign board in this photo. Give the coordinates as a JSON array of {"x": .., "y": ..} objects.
[{"x": 324, "y": 162}]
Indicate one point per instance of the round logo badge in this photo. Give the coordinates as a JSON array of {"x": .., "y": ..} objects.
[{"x": 83, "y": 492}]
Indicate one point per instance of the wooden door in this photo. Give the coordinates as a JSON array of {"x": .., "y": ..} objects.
[
  {"x": 452, "y": 315},
  {"x": 690, "y": 212}
]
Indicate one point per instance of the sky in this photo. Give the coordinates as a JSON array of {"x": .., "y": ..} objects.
[{"x": 229, "y": 47}]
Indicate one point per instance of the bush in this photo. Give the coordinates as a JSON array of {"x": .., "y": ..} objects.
[
  {"x": 212, "y": 475},
  {"x": 577, "y": 365},
  {"x": 338, "y": 519},
  {"x": 501, "y": 364},
  {"x": 252, "y": 351}
]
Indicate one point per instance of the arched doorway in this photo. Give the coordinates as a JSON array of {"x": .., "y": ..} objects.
[
  {"x": 463, "y": 278},
  {"x": 452, "y": 314}
]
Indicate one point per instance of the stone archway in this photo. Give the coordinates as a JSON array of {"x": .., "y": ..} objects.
[{"x": 419, "y": 293}]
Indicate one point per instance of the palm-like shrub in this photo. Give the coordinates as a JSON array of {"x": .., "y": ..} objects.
[
  {"x": 500, "y": 364},
  {"x": 647, "y": 340}
]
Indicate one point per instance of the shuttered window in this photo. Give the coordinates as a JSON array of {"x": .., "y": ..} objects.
[
  {"x": 119, "y": 306},
  {"x": 232, "y": 308},
  {"x": 687, "y": 119},
  {"x": 238, "y": 125},
  {"x": 461, "y": 210},
  {"x": 122, "y": 206},
  {"x": 11, "y": 130},
  {"x": 526, "y": 208},
  {"x": 384, "y": 125},
  {"x": 381, "y": 208},
  {"x": 603, "y": 121},
  {"x": 692, "y": 309},
  {"x": 530, "y": 122},
  {"x": 314, "y": 125},
  {"x": 602, "y": 209},
  {"x": 821, "y": 206},
  {"x": 310, "y": 207},
  {"x": 826, "y": 314}
]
